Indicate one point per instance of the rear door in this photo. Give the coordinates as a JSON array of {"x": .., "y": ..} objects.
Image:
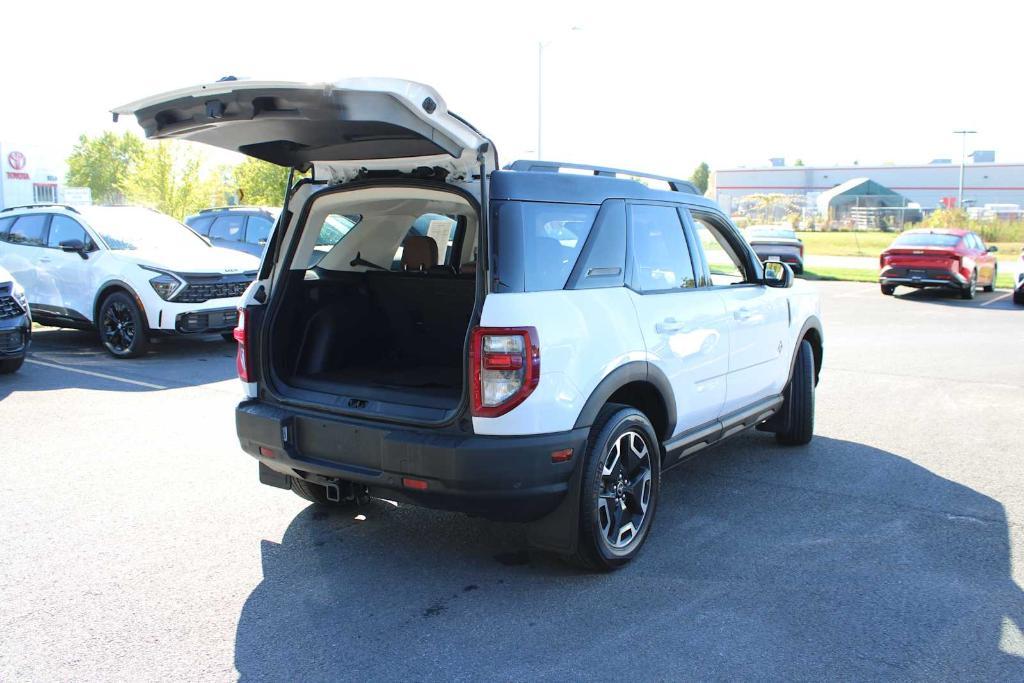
[
  {"x": 337, "y": 129},
  {"x": 24, "y": 253},
  {"x": 758, "y": 315},
  {"x": 685, "y": 327}
]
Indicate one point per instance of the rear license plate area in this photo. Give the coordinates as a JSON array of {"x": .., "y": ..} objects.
[{"x": 916, "y": 274}]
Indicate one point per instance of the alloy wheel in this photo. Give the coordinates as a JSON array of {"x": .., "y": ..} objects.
[
  {"x": 118, "y": 327},
  {"x": 625, "y": 490}
]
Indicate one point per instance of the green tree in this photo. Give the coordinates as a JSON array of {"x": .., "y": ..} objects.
[
  {"x": 100, "y": 162},
  {"x": 259, "y": 182},
  {"x": 700, "y": 177},
  {"x": 168, "y": 177},
  {"x": 946, "y": 218}
]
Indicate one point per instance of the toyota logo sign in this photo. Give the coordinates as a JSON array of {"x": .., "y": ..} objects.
[{"x": 16, "y": 160}]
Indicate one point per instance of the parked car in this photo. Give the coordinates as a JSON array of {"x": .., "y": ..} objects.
[
  {"x": 549, "y": 347},
  {"x": 1018, "y": 283},
  {"x": 934, "y": 257},
  {"x": 127, "y": 272},
  {"x": 777, "y": 243},
  {"x": 243, "y": 228},
  {"x": 15, "y": 324}
]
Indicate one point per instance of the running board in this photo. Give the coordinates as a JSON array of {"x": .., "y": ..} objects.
[{"x": 679, "y": 448}]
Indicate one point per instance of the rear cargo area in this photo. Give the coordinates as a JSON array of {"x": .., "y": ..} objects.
[{"x": 381, "y": 314}]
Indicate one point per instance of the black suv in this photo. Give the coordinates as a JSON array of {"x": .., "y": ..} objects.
[
  {"x": 15, "y": 324},
  {"x": 242, "y": 228}
]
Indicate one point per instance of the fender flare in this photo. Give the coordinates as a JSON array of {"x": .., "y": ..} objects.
[
  {"x": 633, "y": 371},
  {"x": 812, "y": 323},
  {"x": 115, "y": 283}
]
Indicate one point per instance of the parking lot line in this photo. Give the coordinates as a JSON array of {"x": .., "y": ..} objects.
[
  {"x": 998, "y": 298},
  {"x": 101, "y": 375}
]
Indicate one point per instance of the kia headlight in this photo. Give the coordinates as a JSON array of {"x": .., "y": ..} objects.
[{"x": 165, "y": 284}]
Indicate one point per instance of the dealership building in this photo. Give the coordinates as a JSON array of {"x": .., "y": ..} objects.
[
  {"x": 930, "y": 186},
  {"x": 28, "y": 177}
]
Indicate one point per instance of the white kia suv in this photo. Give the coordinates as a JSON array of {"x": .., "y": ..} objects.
[
  {"x": 128, "y": 272},
  {"x": 535, "y": 343}
]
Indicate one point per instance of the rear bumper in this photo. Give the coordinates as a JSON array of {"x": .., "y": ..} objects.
[
  {"x": 501, "y": 477},
  {"x": 15, "y": 336},
  {"x": 922, "y": 277}
]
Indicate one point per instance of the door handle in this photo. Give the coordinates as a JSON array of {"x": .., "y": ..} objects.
[
  {"x": 670, "y": 325},
  {"x": 45, "y": 259},
  {"x": 742, "y": 314}
]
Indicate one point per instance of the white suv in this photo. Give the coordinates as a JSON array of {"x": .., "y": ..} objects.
[
  {"x": 537, "y": 343},
  {"x": 128, "y": 272}
]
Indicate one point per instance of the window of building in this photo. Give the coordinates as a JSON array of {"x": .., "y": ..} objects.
[{"x": 44, "y": 193}]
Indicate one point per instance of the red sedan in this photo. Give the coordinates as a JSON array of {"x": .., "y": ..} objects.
[{"x": 938, "y": 257}]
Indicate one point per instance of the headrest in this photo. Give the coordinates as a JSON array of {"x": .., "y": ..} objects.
[{"x": 419, "y": 252}]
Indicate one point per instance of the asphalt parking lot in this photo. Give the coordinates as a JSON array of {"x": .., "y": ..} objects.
[{"x": 137, "y": 543}]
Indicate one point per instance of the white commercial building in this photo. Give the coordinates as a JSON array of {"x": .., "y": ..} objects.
[
  {"x": 28, "y": 176},
  {"x": 930, "y": 185}
]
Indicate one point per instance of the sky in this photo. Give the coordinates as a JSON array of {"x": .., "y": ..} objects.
[{"x": 652, "y": 86}]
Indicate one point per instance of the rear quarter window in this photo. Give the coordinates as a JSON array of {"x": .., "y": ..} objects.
[{"x": 538, "y": 243}]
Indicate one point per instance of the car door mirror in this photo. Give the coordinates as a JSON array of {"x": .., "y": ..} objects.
[
  {"x": 74, "y": 246},
  {"x": 993, "y": 249},
  {"x": 778, "y": 274}
]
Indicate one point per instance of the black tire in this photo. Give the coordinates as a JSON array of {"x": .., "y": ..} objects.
[
  {"x": 610, "y": 481},
  {"x": 315, "y": 493},
  {"x": 228, "y": 336},
  {"x": 888, "y": 290},
  {"x": 1018, "y": 297},
  {"x": 991, "y": 287},
  {"x": 122, "y": 327},
  {"x": 971, "y": 289},
  {"x": 10, "y": 365},
  {"x": 798, "y": 406}
]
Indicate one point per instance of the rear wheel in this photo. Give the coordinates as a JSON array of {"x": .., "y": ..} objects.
[
  {"x": 798, "y": 406},
  {"x": 1018, "y": 296},
  {"x": 315, "y": 493},
  {"x": 9, "y": 365},
  {"x": 971, "y": 289},
  {"x": 991, "y": 286},
  {"x": 121, "y": 326},
  {"x": 619, "y": 493},
  {"x": 888, "y": 289}
]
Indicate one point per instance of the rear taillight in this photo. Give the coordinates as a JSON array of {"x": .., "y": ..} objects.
[
  {"x": 801, "y": 251},
  {"x": 883, "y": 260},
  {"x": 505, "y": 368},
  {"x": 243, "y": 359}
]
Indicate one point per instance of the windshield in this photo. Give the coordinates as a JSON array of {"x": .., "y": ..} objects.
[
  {"x": 784, "y": 233},
  {"x": 132, "y": 227},
  {"x": 926, "y": 239}
]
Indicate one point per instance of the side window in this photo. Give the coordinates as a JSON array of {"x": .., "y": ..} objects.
[
  {"x": 5, "y": 228},
  {"x": 724, "y": 263},
  {"x": 979, "y": 244},
  {"x": 228, "y": 228},
  {"x": 63, "y": 229},
  {"x": 29, "y": 230},
  {"x": 334, "y": 229},
  {"x": 661, "y": 259},
  {"x": 202, "y": 225},
  {"x": 258, "y": 229}
]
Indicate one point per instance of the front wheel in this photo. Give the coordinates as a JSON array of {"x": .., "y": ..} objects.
[
  {"x": 798, "y": 405},
  {"x": 122, "y": 327},
  {"x": 9, "y": 365},
  {"x": 620, "y": 488},
  {"x": 991, "y": 286}
]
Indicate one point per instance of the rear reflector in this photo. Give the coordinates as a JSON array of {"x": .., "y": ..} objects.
[
  {"x": 410, "y": 483},
  {"x": 562, "y": 456},
  {"x": 267, "y": 453}
]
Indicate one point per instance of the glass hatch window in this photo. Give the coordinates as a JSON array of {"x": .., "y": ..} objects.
[
  {"x": 926, "y": 239},
  {"x": 128, "y": 228}
]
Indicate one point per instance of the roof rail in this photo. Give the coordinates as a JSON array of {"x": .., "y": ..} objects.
[
  {"x": 245, "y": 207},
  {"x": 534, "y": 165},
  {"x": 44, "y": 205}
]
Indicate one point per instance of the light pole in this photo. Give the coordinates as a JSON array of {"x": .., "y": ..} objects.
[
  {"x": 540, "y": 91},
  {"x": 963, "y": 160}
]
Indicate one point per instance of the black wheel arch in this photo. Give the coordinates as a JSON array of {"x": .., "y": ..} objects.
[
  {"x": 108, "y": 288},
  {"x": 811, "y": 331},
  {"x": 638, "y": 384}
]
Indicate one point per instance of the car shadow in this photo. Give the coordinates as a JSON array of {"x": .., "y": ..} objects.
[
  {"x": 70, "y": 359},
  {"x": 1001, "y": 299},
  {"x": 833, "y": 560}
]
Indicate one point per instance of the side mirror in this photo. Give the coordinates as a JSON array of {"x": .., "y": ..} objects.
[
  {"x": 777, "y": 274},
  {"x": 993, "y": 249},
  {"x": 74, "y": 246}
]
